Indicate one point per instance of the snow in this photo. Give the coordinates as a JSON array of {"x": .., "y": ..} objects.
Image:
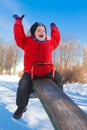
[
  {"x": 35, "y": 118},
  {"x": 78, "y": 93}
]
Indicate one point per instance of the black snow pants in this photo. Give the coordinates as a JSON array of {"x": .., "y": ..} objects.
[{"x": 25, "y": 87}]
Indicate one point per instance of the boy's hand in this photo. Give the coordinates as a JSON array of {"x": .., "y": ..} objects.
[
  {"x": 16, "y": 17},
  {"x": 53, "y": 25}
]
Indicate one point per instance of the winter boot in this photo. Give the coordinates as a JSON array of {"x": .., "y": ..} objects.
[{"x": 19, "y": 112}]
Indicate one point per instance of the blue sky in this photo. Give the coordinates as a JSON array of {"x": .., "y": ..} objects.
[{"x": 69, "y": 15}]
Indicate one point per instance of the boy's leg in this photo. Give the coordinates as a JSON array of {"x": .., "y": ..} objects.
[
  {"x": 23, "y": 92},
  {"x": 57, "y": 79}
]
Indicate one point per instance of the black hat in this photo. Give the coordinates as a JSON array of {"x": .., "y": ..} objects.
[{"x": 34, "y": 26}]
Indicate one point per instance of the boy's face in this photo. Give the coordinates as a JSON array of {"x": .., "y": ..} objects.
[{"x": 40, "y": 33}]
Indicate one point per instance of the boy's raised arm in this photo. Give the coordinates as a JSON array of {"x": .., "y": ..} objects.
[{"x": 19, "y": 34}]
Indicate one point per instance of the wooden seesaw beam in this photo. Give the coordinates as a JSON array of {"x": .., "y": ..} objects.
[{"x": 62, "y": 111}]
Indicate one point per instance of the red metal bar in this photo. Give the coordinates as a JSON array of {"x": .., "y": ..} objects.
[{"x": 40, "y": 64}]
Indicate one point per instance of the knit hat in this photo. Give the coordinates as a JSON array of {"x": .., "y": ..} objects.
[{"x": 34, "y": 26}]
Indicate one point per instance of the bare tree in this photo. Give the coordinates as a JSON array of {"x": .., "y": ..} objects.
[
  {"x": 85, "y": 57},
  {"x": 1, "y": 57},
  {"x": 67, "y": 55},
  {"x": 10, "y": 56},
  {"x": 8, "y": 60},
  {"x": 17, "y": 57}
]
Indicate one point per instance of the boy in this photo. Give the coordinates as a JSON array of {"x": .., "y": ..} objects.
[{"x": 37, "y": 49}]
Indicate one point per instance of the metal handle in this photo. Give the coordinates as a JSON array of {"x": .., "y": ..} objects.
[{"x": 40, "y": 64}]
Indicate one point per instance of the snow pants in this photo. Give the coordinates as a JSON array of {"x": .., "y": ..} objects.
[{"x": 25, "y": 87}]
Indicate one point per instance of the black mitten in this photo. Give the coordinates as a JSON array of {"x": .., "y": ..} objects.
[
  {"x": 16, "y": 17},
  {"x": 52, "y": 25}
]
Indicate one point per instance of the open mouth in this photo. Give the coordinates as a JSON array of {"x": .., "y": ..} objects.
[{"x": 41, "y": 36}]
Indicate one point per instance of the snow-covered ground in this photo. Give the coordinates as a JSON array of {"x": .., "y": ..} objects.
[{"x": 35, "y": 118}]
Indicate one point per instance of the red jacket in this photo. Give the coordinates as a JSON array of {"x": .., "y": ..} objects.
[{"x": 35, "y": 52}]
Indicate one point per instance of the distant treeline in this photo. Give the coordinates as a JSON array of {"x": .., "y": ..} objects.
[
  {"x": 71, "y": 61},
  {"x": 10, "y": 56}
]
